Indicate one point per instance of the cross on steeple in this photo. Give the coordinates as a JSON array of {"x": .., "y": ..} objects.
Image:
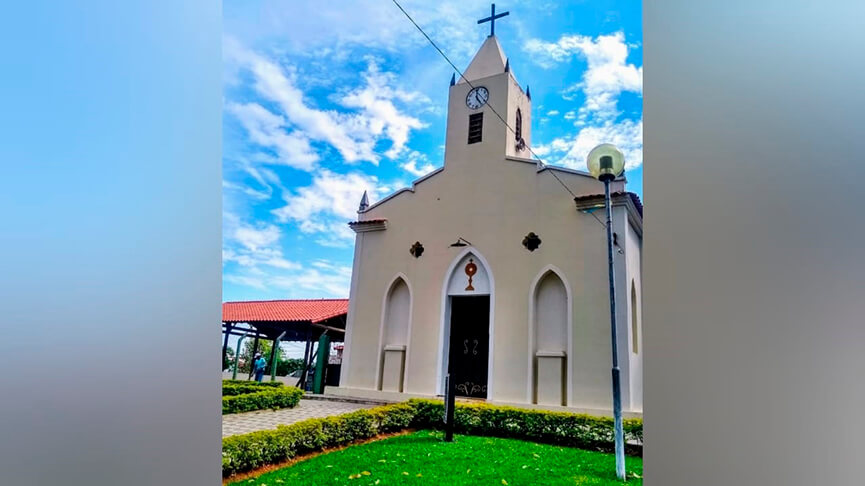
[{"x": 492, "y": 19}]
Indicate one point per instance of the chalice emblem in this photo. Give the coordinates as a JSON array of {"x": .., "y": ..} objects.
[{"x": 471, "y": 270}]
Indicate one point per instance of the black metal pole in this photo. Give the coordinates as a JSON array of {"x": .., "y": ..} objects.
[
  {"x": 301, "y": 383},
  {"x": 617, "y": 391},
  {"x": 450, "y": 402}
]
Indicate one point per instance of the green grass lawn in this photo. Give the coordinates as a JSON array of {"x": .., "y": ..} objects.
[{"x": 423, "y": 458}]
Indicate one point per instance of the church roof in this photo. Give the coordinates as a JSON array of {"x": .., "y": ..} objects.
[
  {"x": 634, "y": 198},
  {"x": 303, "y": 310},
  {"x": 489, "y": 60}
]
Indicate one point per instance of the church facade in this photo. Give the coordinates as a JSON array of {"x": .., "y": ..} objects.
[{"x": 489, "y": 270}]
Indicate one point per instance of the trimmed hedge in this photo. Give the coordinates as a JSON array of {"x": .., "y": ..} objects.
[
  {"x": 575, "y": 430},
  {"x": 275, "y": 384},
  {"x": 241, "y": 453},
  {"x": 240, "y": 389},
  {"x": 283, "y": 397},
  {"x": 245, "y": 452}
]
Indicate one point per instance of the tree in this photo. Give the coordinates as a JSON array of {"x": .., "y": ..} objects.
[
  {"x": 284, "y": 365},
  {"x": 229, "y": 359}
]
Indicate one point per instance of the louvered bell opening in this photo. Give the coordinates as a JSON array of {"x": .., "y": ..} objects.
[{"x": 476, "y": 126}]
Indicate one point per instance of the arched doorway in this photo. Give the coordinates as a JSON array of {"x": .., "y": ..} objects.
[{"x": 467, "y": 318}]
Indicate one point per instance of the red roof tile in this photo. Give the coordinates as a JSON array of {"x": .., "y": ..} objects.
[{"x": 313, "y": 310}]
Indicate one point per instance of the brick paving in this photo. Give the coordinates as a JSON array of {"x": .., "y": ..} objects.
[{"x": 242, "y": 423}]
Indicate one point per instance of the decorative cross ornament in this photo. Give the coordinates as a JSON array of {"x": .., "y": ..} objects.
[{"x": 492, "y": 19}]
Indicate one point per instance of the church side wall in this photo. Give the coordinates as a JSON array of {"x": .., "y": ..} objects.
[{"x": 634, "y": 256}]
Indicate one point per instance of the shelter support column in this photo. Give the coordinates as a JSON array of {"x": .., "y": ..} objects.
[
  {"x": 252, "y": 356},
  {"x": 225, "y": 344},
  {"x": 321, "y": 363}
]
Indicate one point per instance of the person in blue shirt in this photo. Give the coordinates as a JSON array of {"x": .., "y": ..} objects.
[{"x": 259, "y": 365}]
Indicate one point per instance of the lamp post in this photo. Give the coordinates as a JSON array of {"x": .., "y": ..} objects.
[{"x": 605, "y": 163}]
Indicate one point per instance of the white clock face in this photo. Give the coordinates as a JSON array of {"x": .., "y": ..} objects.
[{"x": 477, "y": 97}]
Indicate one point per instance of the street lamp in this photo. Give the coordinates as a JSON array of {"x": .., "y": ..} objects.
[{"x": 606, "y": 163}]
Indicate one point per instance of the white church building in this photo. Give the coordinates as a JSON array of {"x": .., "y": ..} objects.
[{"x": 490, "y": 270}]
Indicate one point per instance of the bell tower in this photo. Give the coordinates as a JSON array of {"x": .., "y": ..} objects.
[{"x": 486, "y": 94}]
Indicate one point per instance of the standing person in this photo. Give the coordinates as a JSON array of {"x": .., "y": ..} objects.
[{"x": 259, "y": 365}]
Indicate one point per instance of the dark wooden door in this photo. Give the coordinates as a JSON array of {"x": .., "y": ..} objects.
[{"x": 468, "y": 359}]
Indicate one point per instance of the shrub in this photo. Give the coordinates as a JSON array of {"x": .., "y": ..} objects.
[
  {"x": 246, "y": 452},
  {"x": 249, "y": 451},
  {"x": 247, "y": 387},
  {"x": 283, "y": 397},
  {"x": 576, "y": 430},
  {"x": 253, "y": 383}
]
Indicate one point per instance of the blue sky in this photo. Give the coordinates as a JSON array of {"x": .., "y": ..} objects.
[{"x": 323, "y": 100}]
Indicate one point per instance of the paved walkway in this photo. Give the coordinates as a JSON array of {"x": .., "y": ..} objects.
[{"x": 242, "y": 423}]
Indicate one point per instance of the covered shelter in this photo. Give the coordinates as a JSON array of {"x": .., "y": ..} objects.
[{"x": 300, "y": 320}]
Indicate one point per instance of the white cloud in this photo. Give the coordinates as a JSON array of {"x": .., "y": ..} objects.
[
  {"x": 326, "y": 280},
  {"x": 571, "y": 152},
  {"x": 378, "y": 113},
  {"x": 552, "y": 112},
  {"x": 336, "y": 26},
  {"x": 354, "y": 134},
  {"x": 327, "y": 205},
  {"x": 277, "y": 85},
  {"x": 322, "y": 279},
  {"x": 417, "y": 164},
  {"x": 269, "y": 130},
  {"x": 608, "y": 73},
  {"x": 253, "y": 246}
]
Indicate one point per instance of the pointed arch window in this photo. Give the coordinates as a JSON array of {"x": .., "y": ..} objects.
[
  {"x": 518, "y": 126},
  {"x": 635, "y": 329}
]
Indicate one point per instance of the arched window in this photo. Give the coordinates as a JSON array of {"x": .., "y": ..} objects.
[
  {"x": 518, "y": 126},
  {"x": 550, "y": 341},
  {"x": 397, "y": 313},
  {"x": 635, "y": 334},
  {"x": 551, "y": 313}
]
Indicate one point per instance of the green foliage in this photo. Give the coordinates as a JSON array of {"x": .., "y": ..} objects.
[
  {"x": 423, "y": 458},
  {"x": 247, "y": 355},
  {"x": 249, "y": 451},
  {"x": 228, "y": 362},
  {"x": 253, "y": 383},
  {"x": 273, "y": 398},
  {"x": 576, "y": 430},
  {"x": 286, "y": 366},
  {"x": 238, "y": 387}
]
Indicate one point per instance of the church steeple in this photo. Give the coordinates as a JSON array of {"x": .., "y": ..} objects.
[
  {"x": 489, "y": 114},
  {"x": 364, "y": 202},
  {"x": 490, "y": 60}
]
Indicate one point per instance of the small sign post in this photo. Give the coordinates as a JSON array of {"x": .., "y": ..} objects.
[{"x": 450, "y": 400}]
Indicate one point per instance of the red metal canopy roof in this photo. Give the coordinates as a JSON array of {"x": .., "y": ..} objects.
[{"x": 311, "y": 310}]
